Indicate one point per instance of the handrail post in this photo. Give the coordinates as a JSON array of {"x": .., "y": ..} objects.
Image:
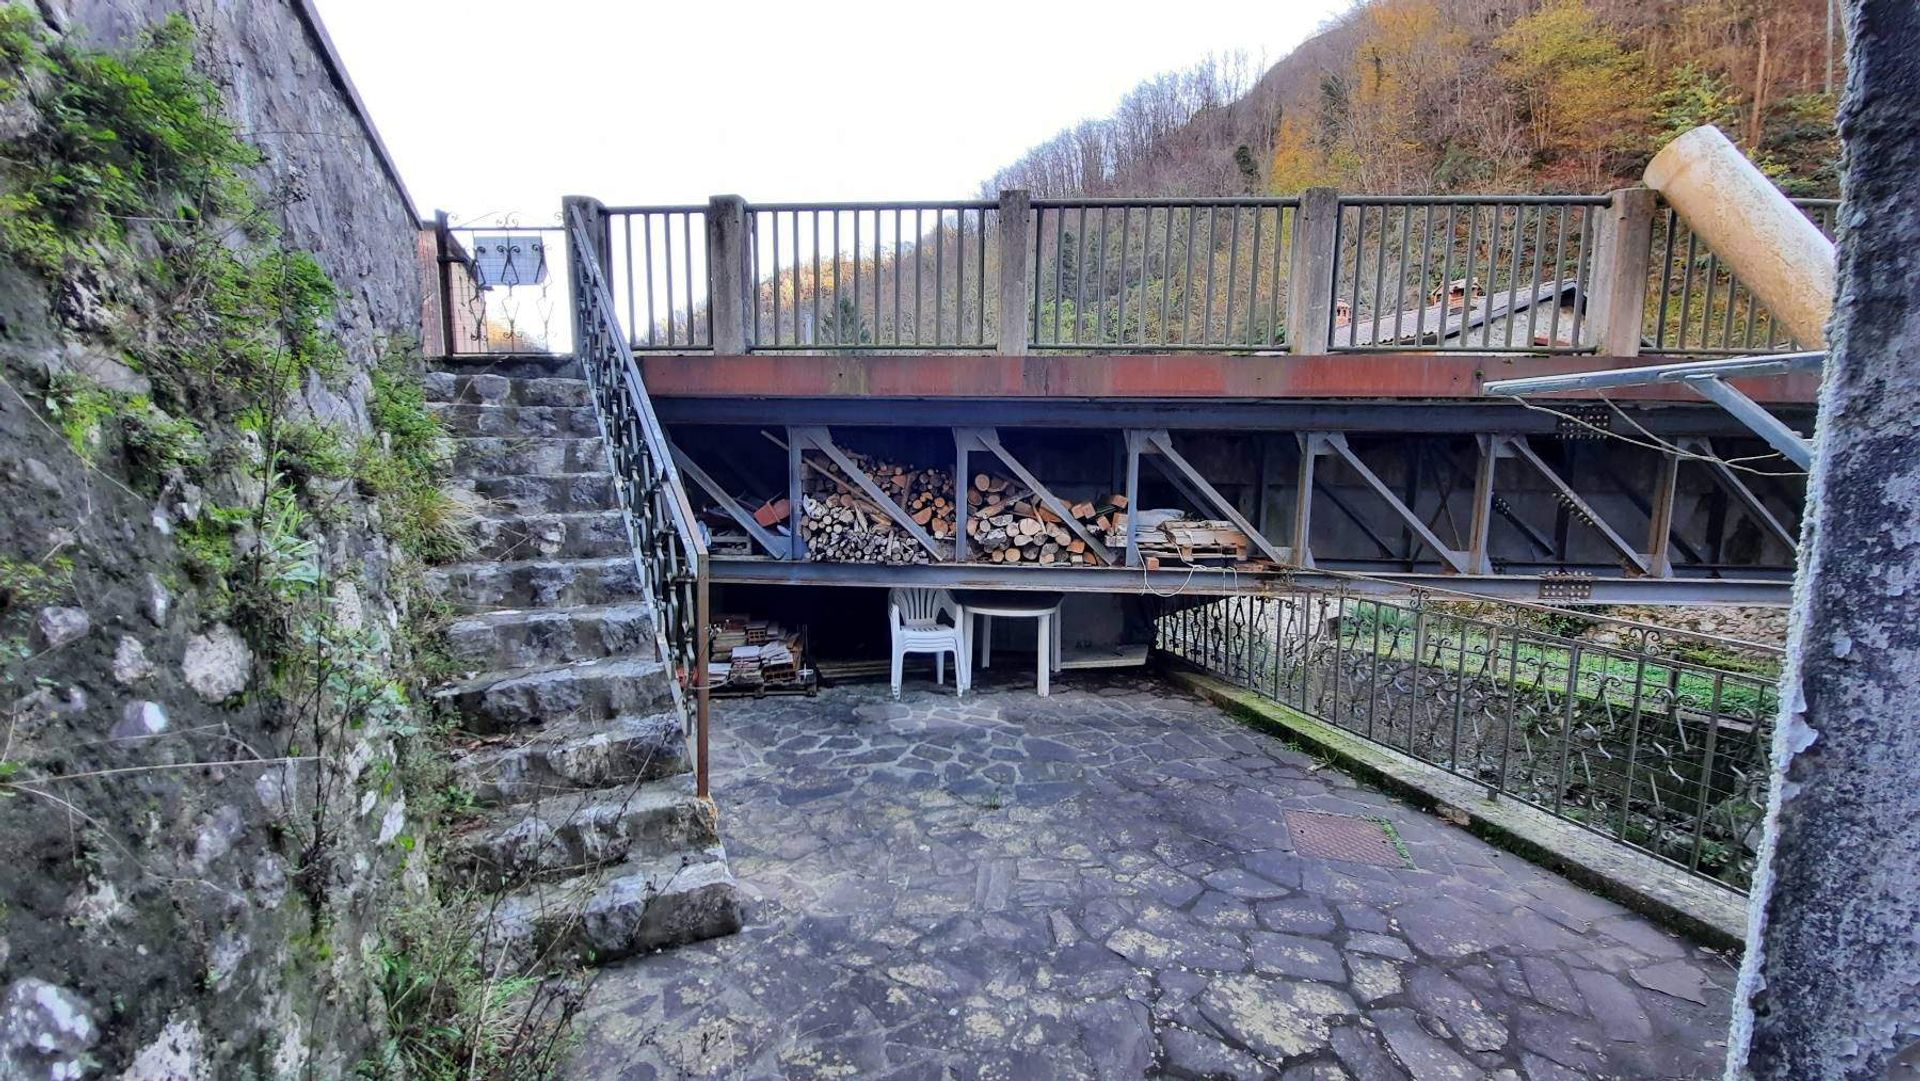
[
  {"x": 1617, "y": 293},
  {"x": 1016, "y": 207},
  {"x": 443, "y": 251},
  {"x": 729, "y": 302},
  {"x": 1310, "y": 271},
  {"x": 594, "y": 213}
]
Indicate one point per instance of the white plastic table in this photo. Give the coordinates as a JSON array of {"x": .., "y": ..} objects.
[{"x": 1044, "y": 608}]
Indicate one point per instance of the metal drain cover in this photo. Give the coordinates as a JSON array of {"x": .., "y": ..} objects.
[{"x": 1343, "y": 837}]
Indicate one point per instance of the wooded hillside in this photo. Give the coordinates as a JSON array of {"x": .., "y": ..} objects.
[{"x": 1471, "y": 95}]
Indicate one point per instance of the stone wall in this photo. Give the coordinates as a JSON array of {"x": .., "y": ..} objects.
[{"x": 163, "y": 912}]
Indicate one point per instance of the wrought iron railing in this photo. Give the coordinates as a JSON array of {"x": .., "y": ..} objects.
[
  {"x": 1485, "y": 274},
  {"x": 1656, "y": 739},
  {"x": 668, "y": 548},
  {"x": 501, "y": 289},
  {"x": 1160, "y": 274},
  {"x": 1697, "y": 306}
]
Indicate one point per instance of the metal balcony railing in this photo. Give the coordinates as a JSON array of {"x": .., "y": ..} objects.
[{"x": 1321, "y": 273}]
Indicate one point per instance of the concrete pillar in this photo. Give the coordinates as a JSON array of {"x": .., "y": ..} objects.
[
  {"x": 1830, "y": 987},
  {"x": 1016, "y": 207},
  {"x": 1617, "y": 291},
  {"x": 730, "y": 292},
  {"x": 1751, "y": 226},
  {"x": 1310, "y": 271}
]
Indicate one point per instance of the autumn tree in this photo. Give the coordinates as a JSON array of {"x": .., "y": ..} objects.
[{"x": 1583, "y": 94}]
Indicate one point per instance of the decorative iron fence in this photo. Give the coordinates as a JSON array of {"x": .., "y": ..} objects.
[
  {"x": 667, "y": 542},
  {"x": 1656, "y": 740},
  {"x": 872, "y": 276},
  {"x": 659, "y": 266},
  {"x": 1697, "y": 306},
  {"x": 1486, "y": 274},
  {"x": 502, "y": 289},
  {"x": 1160, "y": 274}
]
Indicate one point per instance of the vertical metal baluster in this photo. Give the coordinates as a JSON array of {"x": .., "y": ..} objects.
[
  {"x": 1726, "y": 325},
  {"x": 939, "y": 275},
  {"x": 1422, "y": 289},
  {"x": 813, "y": 338},
  {"x": 1233, "y": 273},
  {"x": 686, "y": 246},
  {"x": 666, "y": 236},
  {"x": 878, "y": 293},
  {"x": 1126, "y": 233},
  {"x": 653, "y": 317},
  {"x": 1166, "y": 271},
  {"x": 1583, "y": 270},
  {"x": 1559, "y": 272},
  {"x": 1279, "y": 643},
  {"x": 1379, "y": 275},
  {"x": 1705, "y": 785},
  {"x": 980, "y": 278},
  {"x": 833, "y": 311},
  {"x": 1080, "y": 282},
  {"x": 1706, "y": 306},
  {"x": 1666, "y": 281},
  {"x": 1566, "y": 724},
  {"x": 1533, "y": 283},
  {"x": 1100, "y": 300},
  {"x": 1274, "y": 334},
  {"x": 1253, "y": 276},
  {"x": 856, "y": 275},
  {"x": 1339, "y": 648},
  {"x": 1512, "y": 706},
  {"x": 1059, "y": 269},
  {"x": 1379, "y": 611},
  {"x": 1400, "y": 276},
  {"x": 774, "y": 218},
  {"x": 919, "y": 271},
  {"x": 1186, "y": 282},
  {"x": 1686, "y": 290},
  {"x": 626, "y": 235},
  {"x": 1519, "y": 234},
  {"x": 1753, "y": 314},
  {"x": 1494, "y": 221},
  {"x": 1206, "y": 301},
  {"x": 1633, "y": 744},
  {"x": 899, "y": 272},
  {"x": 1472, "y": 254},
  {"x": 1446, "y": 280}
]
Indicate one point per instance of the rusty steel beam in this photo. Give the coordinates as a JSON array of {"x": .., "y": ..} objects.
[{"x": 1186, "y": 375}]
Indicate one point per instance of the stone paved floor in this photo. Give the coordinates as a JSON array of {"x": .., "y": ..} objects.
[{"x": 1101, "y": 884}]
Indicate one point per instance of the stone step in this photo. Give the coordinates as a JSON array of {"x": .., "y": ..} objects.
[
  {"x": 564, "y": 756},
  {"x": 517, "y": 365},
  {"x": 575, "y": 832},
  {"x": 618, "y": 911},
  {"x": 489, "y": 389},
  {"x": 518, "y": 697},
  {"x": 465, "y": 420},
  {"x": 558, "y": 493},
  {"x": 494, "y": 456},
  {"x": 581, "y": 535},
  {"x": 537, "y": 583},
  {"x": 525, "y": 638}
]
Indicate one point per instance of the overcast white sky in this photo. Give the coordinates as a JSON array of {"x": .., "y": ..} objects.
[{"x": 506, "y": 105}]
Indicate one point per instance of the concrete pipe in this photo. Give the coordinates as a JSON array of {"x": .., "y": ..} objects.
[{"x": 1751, "y": 226}]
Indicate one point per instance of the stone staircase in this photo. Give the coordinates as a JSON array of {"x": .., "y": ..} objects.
[{"x": 591, "y": 841}]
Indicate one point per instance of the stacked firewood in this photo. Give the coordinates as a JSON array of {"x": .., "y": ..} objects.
[
  {"x": 1007, "y": 523},
  {"x": 843, "y": 524}
]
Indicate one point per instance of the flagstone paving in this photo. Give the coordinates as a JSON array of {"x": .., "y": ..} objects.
[{"x": 1101, "y": 884}]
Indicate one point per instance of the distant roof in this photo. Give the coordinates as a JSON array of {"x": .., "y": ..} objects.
[{"x": 1436, "y": 321}]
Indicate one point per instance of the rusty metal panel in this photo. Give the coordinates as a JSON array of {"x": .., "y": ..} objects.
[{"x": 1378, "y": 375}]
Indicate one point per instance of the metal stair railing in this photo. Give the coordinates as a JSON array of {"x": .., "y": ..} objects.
[{"x": 668, "y": 548}]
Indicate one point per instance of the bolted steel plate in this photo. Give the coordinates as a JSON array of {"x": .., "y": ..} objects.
[{"x": 1343, "y": 837}]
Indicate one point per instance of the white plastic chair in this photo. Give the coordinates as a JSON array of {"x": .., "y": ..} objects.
[{"x": 914, "y": 615}]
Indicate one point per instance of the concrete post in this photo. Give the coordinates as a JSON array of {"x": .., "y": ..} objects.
[
  {"x": 1830, "y": 987},
  {"x": 1316, "y": 240},
  {"x": 1752, "y": 226},
  {"x": 729, "y": 292},
  {"x": 1015, "y": 289},
  {"x": 1617, "y": 290}
]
